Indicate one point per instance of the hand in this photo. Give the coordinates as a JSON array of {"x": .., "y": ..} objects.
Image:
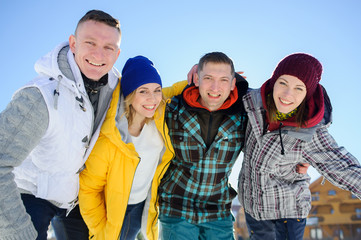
[
  {"x": 192, "y": 75},
  {"x": 302, "y": 168}
]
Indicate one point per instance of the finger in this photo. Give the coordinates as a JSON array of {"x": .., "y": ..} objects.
[{"x": 191, "y": 74}]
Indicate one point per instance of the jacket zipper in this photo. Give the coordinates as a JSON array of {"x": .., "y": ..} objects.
[{"x": 280, "y": 133}]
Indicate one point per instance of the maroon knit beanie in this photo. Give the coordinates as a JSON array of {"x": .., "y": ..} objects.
[{"x": 303, "y": 66}]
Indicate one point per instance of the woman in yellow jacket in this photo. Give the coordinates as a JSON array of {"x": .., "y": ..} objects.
[{"x": 119, "y": 186}]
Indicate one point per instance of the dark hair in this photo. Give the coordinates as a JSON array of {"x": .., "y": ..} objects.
[
  {"x": 215, "y": 57},
  {"x": 300, "y": 117},
  {"x": 100, "y": 16}
]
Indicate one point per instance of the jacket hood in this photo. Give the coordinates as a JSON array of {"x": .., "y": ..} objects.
[
  {"x": 60, "y": 63},
  {"x": 114, "y": 114},
  {"x": 315, "y": 105},
  {"x": 234, "y": 104},
  {"x": 51, "y": 63}
]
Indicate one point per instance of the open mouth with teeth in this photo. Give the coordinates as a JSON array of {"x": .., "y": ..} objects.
[
  {"x": 285, "y": 102},
  {"x": 95, "y": 64},
  {"x": 149, "y": 107},
  {"x": 213, "y": 95}
]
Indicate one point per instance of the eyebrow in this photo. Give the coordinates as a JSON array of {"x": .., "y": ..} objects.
[
  {"x": 296, "y": 85},
  {"x": 222, "y": 77},
  {"x": 91, "y": 38},
  {"x": 145, "y": 88}
]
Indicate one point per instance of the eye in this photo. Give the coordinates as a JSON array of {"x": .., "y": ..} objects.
[
  {"x": 90, "y": 43},
  {"x": 109, "y": 48},
  {"x": 158, "y": 90},
  {"x": 283, "y": 83},
  {"x": 299, "y": 89}
]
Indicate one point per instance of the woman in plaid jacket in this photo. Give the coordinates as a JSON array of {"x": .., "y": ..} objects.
[{"x": 288, "y": 120}]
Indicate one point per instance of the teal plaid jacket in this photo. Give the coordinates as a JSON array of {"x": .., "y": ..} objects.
[{"x": 195, "y": 186}]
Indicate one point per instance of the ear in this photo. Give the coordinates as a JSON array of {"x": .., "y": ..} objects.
[
  {"x": 196, "y": 79},
  {"x": 233, "y": 84},
  {"x": 72, "y": 43}
]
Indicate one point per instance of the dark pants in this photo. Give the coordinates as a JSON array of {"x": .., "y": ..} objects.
[
  {"x": 42, "y": 212},
  {"x": 71, "y": 227},
  {"x": 132, "y": 221},
  {"x": 285, "y": 228}
]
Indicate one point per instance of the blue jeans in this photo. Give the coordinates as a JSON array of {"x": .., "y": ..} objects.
[
  {"x": 132, "y": 221},
  {"x": 71, "y": 227},
  {"x": 284, "y": 228},
  {"x": 42, "y": 212},
  {"x": 179, "y": 229}
]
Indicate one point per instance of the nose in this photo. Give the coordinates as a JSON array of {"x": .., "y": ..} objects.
[
  {"x": 288, "y": 91},
  {"x": 151, "y": 96},
  {"x": 215, "y": 85},
  {"x": 98, "y": 53}
]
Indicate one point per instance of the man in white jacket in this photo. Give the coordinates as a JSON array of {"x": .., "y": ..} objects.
[{"x": 51, "y": 124}]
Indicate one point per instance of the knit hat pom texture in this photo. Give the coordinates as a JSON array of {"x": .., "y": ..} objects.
[
  {"x": 303, "y": 66},
  {"x": 138, "y": 71}
]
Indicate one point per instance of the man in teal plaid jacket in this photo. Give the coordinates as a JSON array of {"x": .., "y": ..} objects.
[{"x": 206, "y": 125}]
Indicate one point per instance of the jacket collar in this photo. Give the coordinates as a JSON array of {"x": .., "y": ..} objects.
[
  {"x": 191, "y": 96},
  {"x": 236, "y": 105}
]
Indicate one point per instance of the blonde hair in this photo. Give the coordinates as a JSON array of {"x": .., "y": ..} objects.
[{"x": 129, "y": 110}]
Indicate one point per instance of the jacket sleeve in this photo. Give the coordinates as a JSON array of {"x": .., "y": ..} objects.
[
  {"x": 335, "y": 163},
  {"x": 175, "y": 89},
  {"x": 22, "y": 125},
  {"x": 92, "y": 181}
]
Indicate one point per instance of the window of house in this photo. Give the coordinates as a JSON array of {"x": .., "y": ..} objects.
[
  {"x": 313, "y": 210},
  {"x": 358, "y": 212},
  {"x": 316, "y": 233},
  {"x": 331, "y": 193},
  {"x": 315, "y": 196}
]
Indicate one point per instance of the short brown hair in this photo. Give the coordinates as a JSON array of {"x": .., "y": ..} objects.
[
  {"x": 215, "y": 57},
  {"x": 100, "y": 16}
]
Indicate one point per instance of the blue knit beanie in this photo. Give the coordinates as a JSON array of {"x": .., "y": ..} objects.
[{"x": 138, "y": 71}]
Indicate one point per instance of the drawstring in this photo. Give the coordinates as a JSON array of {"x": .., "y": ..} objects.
[
  {"x": 282, "y": 148},
  {"x": 56, "y": 93}
]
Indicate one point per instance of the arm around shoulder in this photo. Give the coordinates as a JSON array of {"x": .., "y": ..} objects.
[{"x": 175, "y": 89}]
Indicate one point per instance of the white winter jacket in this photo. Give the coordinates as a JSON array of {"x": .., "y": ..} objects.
[{"x": 51, "y": 170}]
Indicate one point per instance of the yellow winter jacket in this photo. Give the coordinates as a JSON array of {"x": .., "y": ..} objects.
[{"x": 106, "y": 181}]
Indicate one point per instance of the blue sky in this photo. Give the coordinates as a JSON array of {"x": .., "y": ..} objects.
[{"x": 175, "y": 34}]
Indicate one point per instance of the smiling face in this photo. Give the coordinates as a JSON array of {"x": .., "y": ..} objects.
[
  {"x": 288, "y": 93},
  {"x": 215, "y": 82},
  {"x": 146, "y": 100},
  {"x": 95, "y": 47}
]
